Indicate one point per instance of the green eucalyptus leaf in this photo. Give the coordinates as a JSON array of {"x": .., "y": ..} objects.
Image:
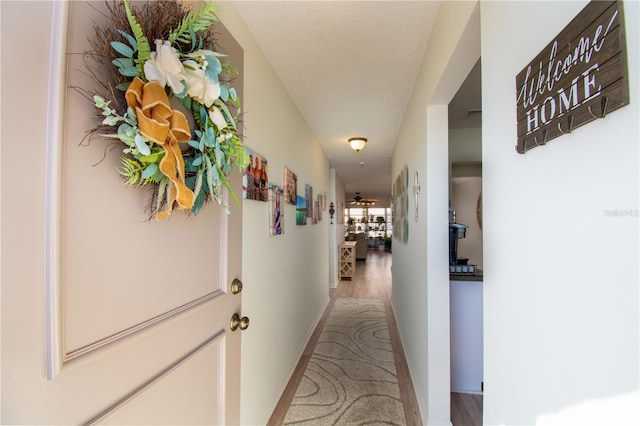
[
  {"x": 212, "y": 75},
  {"x": 129, "y": 72},
  {"x": 234, "y": 95},
  {"x": 210, "y": 179},
  {"x": 127, "y": 134},
  {"x": 123, "y": 86},
  {"x": 209, "y": 137},
  {"x": 197, "y": 162},
  {"x": 190, "y": 182},
  {"x": 122, "y": 49},
  {"x": 224, "y": 93},
  {"x": 110, "y": 121},
  {"x": 186, "y": 102},
  {"x": 198, "y": 203},
  {"x": 220, "y": 158},
  {"x": 194, "y": 144},
  {"x": 150, "y": 171},
  {"x": 132, "y": 41},
  {"x": 198, "y": 185},
  {"x": 214, "y": 174},
  {"x": 131, "y": 117},
  {"x": 214, "y": 68},
  {"x": 100, "y": 102},
  {"x": 213, "y": 64},
  {"x": 188, "y": 165},
  {"x": 122, "y": 62},
  {"x": 203, "y": 114},
  {"x": 142, "y": 145}
]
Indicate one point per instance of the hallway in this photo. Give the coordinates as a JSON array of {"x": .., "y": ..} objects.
[{"x": 373, "y": 281}]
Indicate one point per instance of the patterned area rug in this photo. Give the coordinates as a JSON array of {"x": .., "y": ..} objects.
[{"x": 351, "y": 376}]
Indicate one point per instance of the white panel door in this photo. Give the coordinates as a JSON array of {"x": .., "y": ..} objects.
[{"x": 137, "y": 311}]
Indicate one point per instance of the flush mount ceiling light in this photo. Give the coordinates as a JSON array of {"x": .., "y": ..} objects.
[{"x": 357, "y": 143}]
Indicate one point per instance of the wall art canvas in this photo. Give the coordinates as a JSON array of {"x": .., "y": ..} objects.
[
  {"x": 320, "y": 202},
  {"x": 276, "y": 219},
  {"x": 341, "y": 212},
  {"x": 400, "y": 206},
  {"x": 255, "y": 180},
  {"x": 301, "y": 211},
  {"x": 308, "y": 192},
  {"x": 315, "y": 212},
  {"x": 290, "y": 187}
]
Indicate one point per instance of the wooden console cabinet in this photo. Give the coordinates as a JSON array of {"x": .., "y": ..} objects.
[{"x": 347, "y": 259}]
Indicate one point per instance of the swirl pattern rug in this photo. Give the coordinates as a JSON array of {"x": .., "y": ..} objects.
[{"x": 351, "y": 376}]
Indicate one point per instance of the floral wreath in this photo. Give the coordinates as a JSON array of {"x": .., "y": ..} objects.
[{"x": 185, "y": 167}]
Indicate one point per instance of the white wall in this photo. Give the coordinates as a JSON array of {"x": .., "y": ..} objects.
[
  {"x": 561, "y": 275},
  {"x": 420, "y": 267},
  {"x": 286, "y": 278},
  {"x": 336, "y": 231}
]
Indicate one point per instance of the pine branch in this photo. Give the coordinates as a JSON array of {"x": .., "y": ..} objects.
[{"x": 194, "y": 22}]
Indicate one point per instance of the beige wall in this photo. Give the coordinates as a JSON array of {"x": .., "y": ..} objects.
[
  {"x": 286, "y": 277},
  {"x": 24, "y": 130},
  {"x": 465, "y": 145}
]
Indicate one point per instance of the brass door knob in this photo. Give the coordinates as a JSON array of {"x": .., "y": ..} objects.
[
  {"x": 237, "y": 322},
  {"x": 236, "y": 286}
]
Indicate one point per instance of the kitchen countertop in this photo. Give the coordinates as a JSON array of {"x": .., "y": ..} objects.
[{"x": 477, "y": 276}]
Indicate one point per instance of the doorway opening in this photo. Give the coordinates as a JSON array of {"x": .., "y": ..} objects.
[{"x": 466, "y": 260}]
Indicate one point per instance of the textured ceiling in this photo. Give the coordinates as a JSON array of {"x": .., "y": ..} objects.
[{"x": 350, "y": 67}]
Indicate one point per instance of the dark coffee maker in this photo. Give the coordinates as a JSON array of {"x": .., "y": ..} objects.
[{"x": 456, "y": 231}]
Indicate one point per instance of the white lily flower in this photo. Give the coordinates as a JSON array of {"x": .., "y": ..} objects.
[
  {"x": 165, "y": 67},
  {"x": 218, "y": 119},
  {"x": 199, "y": 86}
]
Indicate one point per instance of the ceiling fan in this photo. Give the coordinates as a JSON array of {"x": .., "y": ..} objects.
[{"x": 358, "y": 200}]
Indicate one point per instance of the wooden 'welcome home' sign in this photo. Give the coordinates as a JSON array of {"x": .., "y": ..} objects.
[{"x": 578, "y": 77}]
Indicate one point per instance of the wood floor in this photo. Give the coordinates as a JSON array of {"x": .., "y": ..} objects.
[
  {"x": 466, "y": 409},
  {"x": 373, "y": 281}
]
